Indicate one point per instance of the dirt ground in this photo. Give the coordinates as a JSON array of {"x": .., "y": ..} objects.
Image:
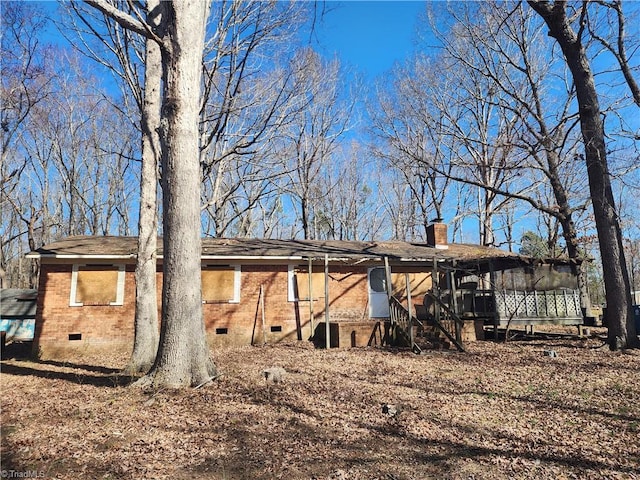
[{"x": 497, "y": 411}]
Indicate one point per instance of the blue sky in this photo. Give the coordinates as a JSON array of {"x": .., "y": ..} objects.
[{"x": 369, "y": 35}]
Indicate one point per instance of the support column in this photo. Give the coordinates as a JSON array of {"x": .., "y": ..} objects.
[{"x": 327, "y": 327}]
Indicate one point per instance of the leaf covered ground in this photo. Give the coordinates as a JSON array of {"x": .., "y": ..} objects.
[{"x": 497, "y": 411}]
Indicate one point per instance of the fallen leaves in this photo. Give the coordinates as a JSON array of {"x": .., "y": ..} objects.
[{"x": 499, "y": 411}]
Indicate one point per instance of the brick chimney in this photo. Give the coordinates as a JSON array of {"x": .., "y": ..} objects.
[{"x": 437, "y": 235}]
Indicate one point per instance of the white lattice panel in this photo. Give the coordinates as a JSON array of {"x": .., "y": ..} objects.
[
  {"x": 538, "y": 304},
  {"x": 561, "y": 305},
  {"x": 531, "y": 305}
]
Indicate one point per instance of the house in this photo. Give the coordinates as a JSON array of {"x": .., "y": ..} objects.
[
  {"x": 267, "y": 291},
  {"x": 17, "y": 314}
]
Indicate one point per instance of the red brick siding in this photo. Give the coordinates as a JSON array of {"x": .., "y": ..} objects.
[
  {"x": 111, "y": 325},
  {"x": 56, "y": 320},
  {"x": 243, "y": 321}
]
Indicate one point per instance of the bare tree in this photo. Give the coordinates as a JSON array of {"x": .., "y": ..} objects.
[
  {"x": 125, "y": 55},
  {"x": 397, "y": 205},
  {"x": 411, "y": 138},
  {"x": 183, "y": 356},
  {"x": 506, "y": 46},
  {"x": 614, "y": 39},
  {"x": 123, "y": 46},
  {"x": 314, "y": 130},
  {"x": 26, "y": 82},
  {"x": 147, "y": 335},
  {"x": 444, "y": 125},
  {"x": 622, "y": 332},
  {"x": 247, "y": 99},
  {"x": 86, "y": 144},
  {"x": 66, "y": 151},
  {"x": 346, "y": 208}
]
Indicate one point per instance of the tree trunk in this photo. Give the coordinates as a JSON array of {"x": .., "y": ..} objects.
[
  {"x": 569, "y": 233},
  {"x": 622, "y": 332},
  {"x": 305, "y": 218},
  {"x": 147, "y": 333},
  {"x": 183, "y": 357},
  {"x": 34, "y": 265}
]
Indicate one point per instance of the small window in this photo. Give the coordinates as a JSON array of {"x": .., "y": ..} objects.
[
  {"x": 378, "y": 280},
  {"x": 299, "y": 284},
  {"x": 75, "y": 337},
  {"x": 276, "y": 328},
  {"x": 97, "y": 285},
  {"x": 221, "y": 284},
  {"x": 222, "y": 331}
]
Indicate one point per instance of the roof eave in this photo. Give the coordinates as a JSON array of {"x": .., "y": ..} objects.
[{"x": 71, "y": 256}]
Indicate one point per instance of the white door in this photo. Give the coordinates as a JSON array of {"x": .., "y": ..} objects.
[{"x": 378, "y": 299}]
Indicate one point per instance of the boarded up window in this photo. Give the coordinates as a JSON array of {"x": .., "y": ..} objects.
[
  {"x": 97, "y": 285},
  {"x": 420, "y": 283},
  {"x": 301, "y": 285},
  {"x": 220, "y": 284}
]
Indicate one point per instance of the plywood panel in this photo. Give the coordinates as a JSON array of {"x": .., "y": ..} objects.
[
  {"x": 302, "y": 281},
  {"x": 420, "y": 283},
  {"x": 218, "y": 284},
  {"x": 97, "y": 285}
]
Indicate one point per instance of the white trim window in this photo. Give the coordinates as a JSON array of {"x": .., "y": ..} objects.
[
  {"x": 221, "y": 283},
  {"x": 298, "y": 284},
  {"x": 97, "y": 285}
]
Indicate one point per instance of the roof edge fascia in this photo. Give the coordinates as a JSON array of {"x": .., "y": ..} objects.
[
  {"x": 79, "y": 256},
  {"x": 289, "y": 258}
]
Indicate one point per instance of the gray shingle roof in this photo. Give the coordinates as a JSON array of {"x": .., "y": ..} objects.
[
  {"x": 17, "y": 303},
  {"x": 126, "y": 247}
]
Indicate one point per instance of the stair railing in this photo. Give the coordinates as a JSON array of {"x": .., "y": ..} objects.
[
  {"x": 402, "y": 321},
  {"x": 450, "y": 324}
]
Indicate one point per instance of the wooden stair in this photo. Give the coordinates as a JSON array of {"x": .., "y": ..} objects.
[{"x": 427, "y": 333}]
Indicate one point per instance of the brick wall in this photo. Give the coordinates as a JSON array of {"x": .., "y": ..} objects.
[
  {"x": 60, "y": 326},
  {"x": 437, "y": 235},
  {"x": 284, "y": 320}
]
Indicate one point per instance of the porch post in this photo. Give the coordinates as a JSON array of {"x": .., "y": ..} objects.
[
  {"x": 387, "y": 273},
  {"x": 492, "y": 286},
  {"x": 435, "y": 287},
  {"x": 311, "y": 319},
  {"x": 451, "y": 280},
  {"x": 327, "y": 329},
  {"x": 409, "y": 306}
]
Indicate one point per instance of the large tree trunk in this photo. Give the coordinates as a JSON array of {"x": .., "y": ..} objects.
[
  {"x": 147, "y": 333},
  {"x": 622, "y": 332},
  {"x": 183, "y": 357},
  {"x": 565, "y": 217}
]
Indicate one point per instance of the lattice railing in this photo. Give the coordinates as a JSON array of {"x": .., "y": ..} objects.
[{"x": 519, "y": 304}]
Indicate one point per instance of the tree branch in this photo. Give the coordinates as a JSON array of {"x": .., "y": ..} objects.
[{"x": 125, "y": 20}]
